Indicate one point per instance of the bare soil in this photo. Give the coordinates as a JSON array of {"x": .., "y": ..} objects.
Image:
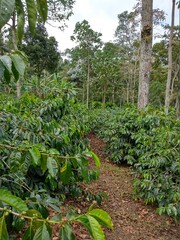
[{"x": 132, "y": 219}]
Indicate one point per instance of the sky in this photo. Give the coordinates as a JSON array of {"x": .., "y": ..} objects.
[{"x": 102, "y": 17}]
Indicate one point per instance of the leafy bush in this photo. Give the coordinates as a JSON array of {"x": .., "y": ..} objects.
[
  {"x": 149, "y": 141},
  {"x": 44, "y": 153},
  {"x": 38, "y": 226}
]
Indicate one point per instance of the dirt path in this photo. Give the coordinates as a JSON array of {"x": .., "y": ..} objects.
[{"x": 133, "y": 220}]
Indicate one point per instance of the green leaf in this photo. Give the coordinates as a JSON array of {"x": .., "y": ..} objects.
[
  {"x": 29, "y": 234},
  {"x": 52, "y": 166},
  {"x": 65, "y": 172},
  {"x": 96, "y": 229},
  {"x": 15, "y": 202},
  {"x": 18, "y": 63},
  {"x": 7, "y": 75},
  {"x": 85, "y": 222},
  {"x": 18, "y": 223},
  {"x": 42, "y": 233},
  {"x": 43, "y": 163},
  {"x": 1, "y": 70},
  {"x": 85, "y": 173},
  {"x": 66, "y": 233},
  {"x": 42, "y": 9},
  {"x": 3, "y": 229},
  {"x": 15, "y": 72},
  {"x": 6, "y": 10},
  {"x": 7, "y": 62},
  {"x": 96, "y": 159},
  {"x": 21, "y": 54},
  {"x": 43, "y": 211},
  {"x": 32, "y": 14},
  {"x": 36, "y": 155},
  {"x": 102, "y": 217},
  {"x": 20, "y": 19}
]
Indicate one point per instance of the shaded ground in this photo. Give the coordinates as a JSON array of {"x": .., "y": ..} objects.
[{"x": 133, "y": 220}]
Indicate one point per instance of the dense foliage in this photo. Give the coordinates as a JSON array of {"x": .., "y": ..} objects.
[
  {"x": 43, "y": 158},
  {"x": 42, "y": 51},
  {"x": 148, "y": 141}
]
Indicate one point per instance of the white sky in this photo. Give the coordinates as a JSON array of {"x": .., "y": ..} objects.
[{"x": 102, "y": 17}]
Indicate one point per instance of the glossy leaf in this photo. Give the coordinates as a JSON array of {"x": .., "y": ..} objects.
[
  {"x": 65, "y": 172},
  {"x": 52, "y": 166},
  {"x": 7, "y": 62},
  {"x": 20, "y": 19},
  {"x": 6, "y": 10},
  {"x": 18, "y": 63},
  {"x": 102, "y": 217},
  {"x": 42, "y": 9},
  {"x": 13, "y": 201},
  {"x": 1, "y": 70},
  {"x": 85, "y": 222},
  {"x": 42, "y": 233},
  {"x": 3, "y": 229},
  {"x": 96, "y": 229},
  {"x": 15, "y": 72},
  {"x": 7, "y": 75},
  {"x": 96, "y": 159},
  {"x": 32, "y": 14},
  {"x": 43, "y": 163},
  {"x": 29, "y": 234},
  {"x": 36, "y": 155},
  {"x": 66, "y": 233}
]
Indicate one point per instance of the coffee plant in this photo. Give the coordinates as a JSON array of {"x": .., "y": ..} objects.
[
  {"x": 44, "y": 156},
  {"x": 148, "y": 141}
]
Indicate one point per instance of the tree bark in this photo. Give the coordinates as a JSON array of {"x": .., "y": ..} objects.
[
  {"x": 169, "y": 80},
  {"x": 145, "y": 54},
  {"x": 14, "y": 41},
  {"x": 88, "y": 83}
]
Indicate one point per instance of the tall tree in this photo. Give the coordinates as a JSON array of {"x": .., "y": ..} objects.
[
  {"x": 42, "y": 50},
  {"x": 170, "y": 62},
  {"x": 127, "y": 37},
  {"x": 145, "y": 53},
  {"x": 127, "y": 33},
  {"x": 32, "y": 11},
  {"x": 107, "y": 72},
  {"x": 88, "y": 41},
  {"x": 59, "y": 11}
]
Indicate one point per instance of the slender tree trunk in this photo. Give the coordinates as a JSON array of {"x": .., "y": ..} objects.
[
  {"x": 83, "y": 93},
  {"x": 127, "y": 92},
  {"x": 134, "y": 82},
  {"x": 1, "y": 43},
  {"x": 169, "y": 81},
  {"x": 177, "y": 107},
  {"x": 88, "y": 83},
  {"x": 14, "y": 42},
  {"x": 104, "y": 95},
  {"x": 113, "y": 95},
  {"x": 145, "y": 54}
]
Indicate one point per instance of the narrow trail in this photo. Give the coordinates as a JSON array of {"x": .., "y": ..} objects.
[{"x": 133, "y": 220}]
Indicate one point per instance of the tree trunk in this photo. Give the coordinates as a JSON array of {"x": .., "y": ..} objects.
[
  {"x": 113, "y": 95},
  {"x": 169, "y": 81},
  {"x": 127, "y": 92},
  {"x": 14, "y": 42},
  {"x": 83, "y": 93},
  {"x": 145, "y": 54},
  {"x": 88, "y": 83},
  {"x": 177, "y": 107},
  {"x": 104, "y": 95}
]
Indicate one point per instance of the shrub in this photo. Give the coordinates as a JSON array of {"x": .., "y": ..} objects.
[{"x": 148, "y": 141}]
